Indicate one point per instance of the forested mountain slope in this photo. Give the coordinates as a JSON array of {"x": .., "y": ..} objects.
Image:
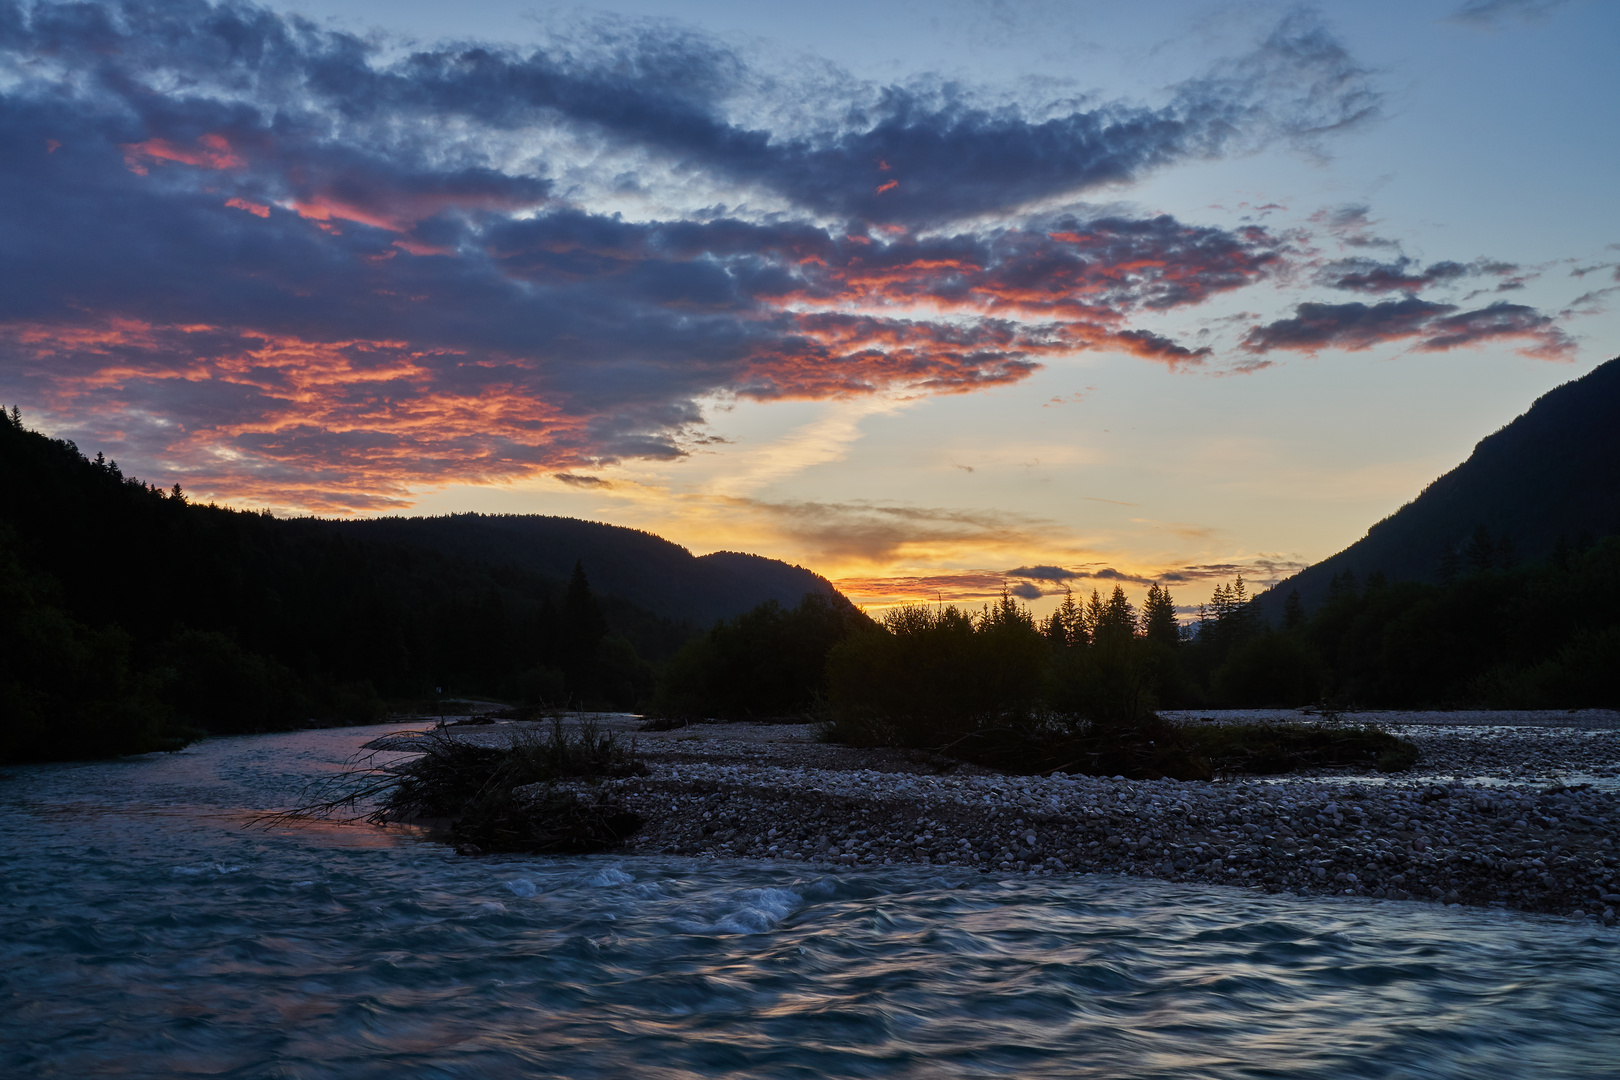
[
  {"x": 647, "y": 570},
  {"x": 1550, "y": 477},
  {"x": 132, "y": 618}
]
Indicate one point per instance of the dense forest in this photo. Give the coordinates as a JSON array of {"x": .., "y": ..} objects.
[
  {"x": 661, "y": 577},
  {"x": 132, "y": 618},
  {"x": 1537, "y": 636}
]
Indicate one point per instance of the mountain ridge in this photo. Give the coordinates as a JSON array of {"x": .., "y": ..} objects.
[
  {"x": 657, "y": 574},
  {"x": 1551, "y": 474}
]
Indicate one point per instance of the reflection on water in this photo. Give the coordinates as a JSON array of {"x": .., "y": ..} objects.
[{"x": 146, "y": 931}]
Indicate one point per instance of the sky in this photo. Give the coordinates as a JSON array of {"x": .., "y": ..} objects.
[{"x": 936, "y": 299}]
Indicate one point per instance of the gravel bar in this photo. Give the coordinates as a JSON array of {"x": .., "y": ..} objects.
[{"x": 1517, "y": 810}]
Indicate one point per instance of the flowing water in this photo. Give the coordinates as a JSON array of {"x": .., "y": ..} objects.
[{"x": 149, "y": 930}]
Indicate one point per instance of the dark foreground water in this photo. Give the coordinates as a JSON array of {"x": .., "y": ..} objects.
[{"x": 148, "y": 930}]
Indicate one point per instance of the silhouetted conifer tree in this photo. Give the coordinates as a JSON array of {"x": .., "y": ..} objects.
[
  {"x": 1343, "y": 586},
  {"x": 1117, "y": 621},
  {"x": 1066, "y": 626},
  {"x": 1159, "y": 617},
  {"x": 1481, "y": 552},
  {"x": 1293, "y": 612},
  {"x": 1093, "y": 616},
  {"x": 583, "y": 628},
  {"x": 1450, "y": 565}
]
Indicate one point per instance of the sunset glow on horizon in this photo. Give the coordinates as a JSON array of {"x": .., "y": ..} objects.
[{"x": 982, "y": 307}]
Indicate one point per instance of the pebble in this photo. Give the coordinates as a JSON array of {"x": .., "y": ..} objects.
[{"x": 763, "y": 792}]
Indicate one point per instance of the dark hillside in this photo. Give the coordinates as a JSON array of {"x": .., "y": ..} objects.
[
  {"x": 132, "y": 618},
  {"x": 1549, "y": 478},
  {"x": 644, "y": 569}
]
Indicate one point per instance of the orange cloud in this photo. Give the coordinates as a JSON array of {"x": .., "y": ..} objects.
[
  {"x": 256, "y": 209},
  {"x": 967, "y": 586},
  {"x": 210, "y": 152},
  {"x": 332, "y": 426}
]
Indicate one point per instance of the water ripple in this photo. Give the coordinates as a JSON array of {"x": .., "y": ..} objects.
[{"x": 145, "y": 931}]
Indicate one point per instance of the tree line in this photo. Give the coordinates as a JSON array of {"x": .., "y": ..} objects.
[
  {"x": 132, "y": 618},
  {"x": 1498, "y": 634}
]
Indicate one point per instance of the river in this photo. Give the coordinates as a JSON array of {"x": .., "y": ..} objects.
[{"x": 150, "y": 928}]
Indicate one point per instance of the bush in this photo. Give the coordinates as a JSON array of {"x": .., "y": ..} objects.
[
  {"x": 526, "y": 796},
  {"x": 1268, "y": 749}
]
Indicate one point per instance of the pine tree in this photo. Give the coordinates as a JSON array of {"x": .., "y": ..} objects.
[
  {"x": 1293, "y": 611},
  {"x": 1506, "y": 554},
  {"x": 1093, "y": 617},
  {"x": 1343, "y": 586},
  {"x": 1117, "y": 622},
  {"x": 1006, "y": 612},
  {"x": 1450, "y": 564},
  {"x": 1065, "y": 627},
  {"x": 1481, "y": 552},
  {"x": 1159, "y": 617},
  {"x": 582, "y": 629}
]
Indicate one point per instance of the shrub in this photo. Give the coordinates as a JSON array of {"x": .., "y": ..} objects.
[
  {"x": 1268, "y": 749},
  {"x": 530, "y": 795}
]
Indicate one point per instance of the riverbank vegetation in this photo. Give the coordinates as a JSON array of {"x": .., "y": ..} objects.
[
  {"x": 536, "y": 790},
  {"x": 133, "y": 619},
  {"x": 1082, "y": 689}
]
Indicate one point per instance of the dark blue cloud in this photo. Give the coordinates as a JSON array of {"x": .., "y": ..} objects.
[
  {"x": 1044, "y": 573},
  {"x": 284, "y": 256},
  {"x": 912, "y": 154},
  {"x": 1403, "y": 274},
  {"x": 1428, "y": 326},
  {"x": 1494, "y": 13}
]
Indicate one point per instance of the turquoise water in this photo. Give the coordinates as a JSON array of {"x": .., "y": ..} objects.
[{"x": 148, "y": 930}]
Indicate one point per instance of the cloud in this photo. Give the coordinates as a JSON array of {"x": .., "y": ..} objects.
[
  {"x": 1436, "y": 328},
  {"x": 1042, "y": 573},
  {"x": 1493, "y": 13},
  {"x": 1402, "y": 274},
  {"x": 958, "y": 587},
  {"x": 292, "y": 265},
  {"x": 1351, "y": 224},
  {"x": 881, "y": 532},
  {"x": 317, "y": 277}
]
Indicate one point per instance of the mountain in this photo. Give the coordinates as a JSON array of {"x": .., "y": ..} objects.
[
  {"x": 132, "y": 618},
  {"x": 649, "y": 571},
  {"x": 1551, "y": 476}
]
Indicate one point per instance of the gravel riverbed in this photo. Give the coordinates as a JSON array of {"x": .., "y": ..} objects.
[{"x": 1509, "y": 809}]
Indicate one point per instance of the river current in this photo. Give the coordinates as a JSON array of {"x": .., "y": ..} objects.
[{"x": 149, "y": 929}]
